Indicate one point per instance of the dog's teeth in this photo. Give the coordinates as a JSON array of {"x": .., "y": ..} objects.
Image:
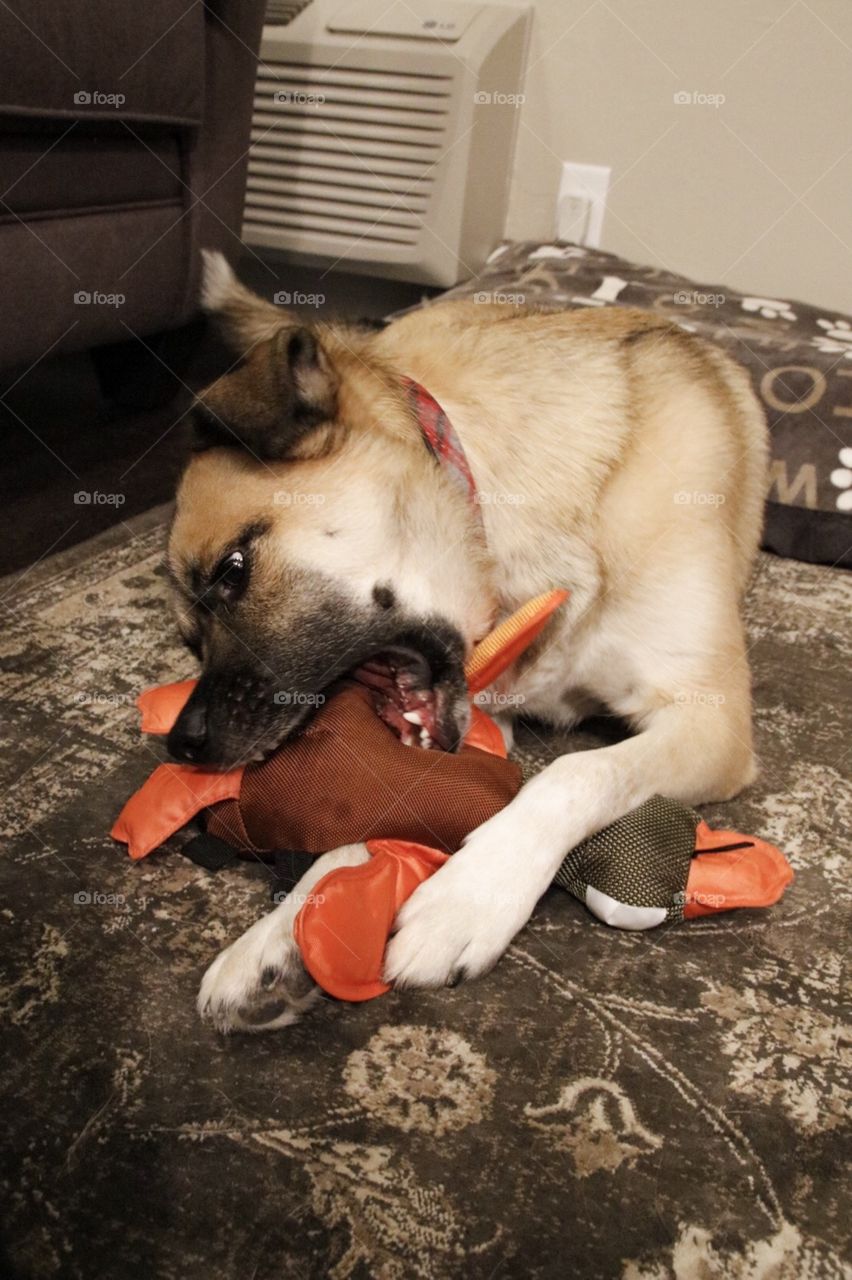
[
  {"x": 413, "y": 717},
  {"x": 425, "y": 740}
]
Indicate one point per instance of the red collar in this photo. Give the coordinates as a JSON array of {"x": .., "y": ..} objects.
[{"x": 441, "y": 440}]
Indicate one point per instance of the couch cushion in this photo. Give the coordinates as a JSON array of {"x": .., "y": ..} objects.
[
  {"x": 101, "y": 277},
  {"x": 74, "y": 60},
  {"x": 799, "y": 358},
  {"x": 88, "y": 168}
]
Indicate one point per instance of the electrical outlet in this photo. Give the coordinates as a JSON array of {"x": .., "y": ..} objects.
[
  {"x": 572, "y": 219},
  {"x": 581, "y": 203}
]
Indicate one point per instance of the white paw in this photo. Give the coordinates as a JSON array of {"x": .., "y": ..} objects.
[
  {"x": 458, "y": 923},
  {"x": 259, "y": 982}
]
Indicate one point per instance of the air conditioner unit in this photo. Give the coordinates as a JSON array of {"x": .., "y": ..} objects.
[{"x": 383, "y": 134}]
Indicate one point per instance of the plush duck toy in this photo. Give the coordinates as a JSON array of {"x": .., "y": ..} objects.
[{"x": 348, "y": 778}]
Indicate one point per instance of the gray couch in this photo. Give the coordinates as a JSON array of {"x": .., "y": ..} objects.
[{"x": 123, "y": 138}]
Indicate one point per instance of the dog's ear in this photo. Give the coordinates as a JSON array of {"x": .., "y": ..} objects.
[
  {"x": 241, "y": 317},
  {"x": 276, "y": 403}
]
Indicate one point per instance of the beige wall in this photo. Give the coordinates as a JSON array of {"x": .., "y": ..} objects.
[{"x": 755, "y": 193}]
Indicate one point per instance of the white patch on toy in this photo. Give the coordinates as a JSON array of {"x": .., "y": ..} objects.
[
  {"x": 841, "y": 478},
  {"x": 769, "y": 307},
  {"x": 837, "y": 340},
  {"x": 619, "y": 914}
]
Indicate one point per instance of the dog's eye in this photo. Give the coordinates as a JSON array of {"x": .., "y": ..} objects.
[{"x": 230, "y": 576}]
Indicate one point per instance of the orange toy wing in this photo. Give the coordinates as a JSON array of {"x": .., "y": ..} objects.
[
  {"x": 506, "y": 642},
  {"x": 170, "y": 798}
]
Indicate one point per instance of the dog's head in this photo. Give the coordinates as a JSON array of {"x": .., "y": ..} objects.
[{"x": 314, "y": 539}]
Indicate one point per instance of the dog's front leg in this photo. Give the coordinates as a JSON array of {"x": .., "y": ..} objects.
[
  {"x": 458, "y": 923},
  {"x": 259, "y": 983}
]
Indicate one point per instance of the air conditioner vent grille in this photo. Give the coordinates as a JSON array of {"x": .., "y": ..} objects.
[
  {"x": 280, "y": 13},
  {"x": 286, "y": 73},
  {"x": 346, "y": 151},
  {"x": 346, "y": 233}
]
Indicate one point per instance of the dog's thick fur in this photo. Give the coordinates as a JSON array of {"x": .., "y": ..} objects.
[{"x": 614, "y": 454}]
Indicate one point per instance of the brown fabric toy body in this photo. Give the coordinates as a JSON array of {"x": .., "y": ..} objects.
[{"x": 346, "y": 779}]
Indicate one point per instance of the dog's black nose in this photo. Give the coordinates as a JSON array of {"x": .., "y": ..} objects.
[{"x": 189, "y": 733}]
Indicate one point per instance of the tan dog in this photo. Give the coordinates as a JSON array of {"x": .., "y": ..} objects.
[{"x": 613, "y": 453}]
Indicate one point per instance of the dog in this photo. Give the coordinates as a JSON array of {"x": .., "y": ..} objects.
[{"x": 613, "y": 452}]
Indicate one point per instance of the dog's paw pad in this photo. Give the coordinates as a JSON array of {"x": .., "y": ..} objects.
[{"x": 258, "y": 983}]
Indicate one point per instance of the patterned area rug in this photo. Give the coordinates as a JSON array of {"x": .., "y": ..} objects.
[{"x": 644, "y": 1106}]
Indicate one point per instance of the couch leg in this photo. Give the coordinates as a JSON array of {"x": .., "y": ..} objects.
[{"x": 146, "y": 374}]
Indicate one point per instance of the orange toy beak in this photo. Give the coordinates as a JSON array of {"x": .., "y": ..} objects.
[{"x": 731, "y": 870}]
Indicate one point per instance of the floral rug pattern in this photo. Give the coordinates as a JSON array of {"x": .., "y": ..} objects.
[{"x": 654, "y": 1106}]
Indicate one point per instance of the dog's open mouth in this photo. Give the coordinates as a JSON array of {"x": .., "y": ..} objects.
[{"x": 409, "y": 699}]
